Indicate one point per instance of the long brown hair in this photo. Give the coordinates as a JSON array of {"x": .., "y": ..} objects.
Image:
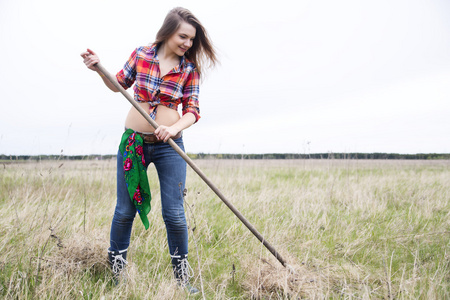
[{"x": 202, "y": 50}]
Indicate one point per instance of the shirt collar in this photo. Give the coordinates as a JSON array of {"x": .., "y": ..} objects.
[{"x": 183, "y": 61}]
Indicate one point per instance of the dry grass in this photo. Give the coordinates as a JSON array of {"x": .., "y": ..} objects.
[{"x": 348, "y": 229}]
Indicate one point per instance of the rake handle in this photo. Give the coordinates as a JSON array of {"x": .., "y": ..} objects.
[{"x": 194, "y": 167}]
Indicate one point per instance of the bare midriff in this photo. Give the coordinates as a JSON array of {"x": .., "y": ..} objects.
[{"x": 164, "y": 116}]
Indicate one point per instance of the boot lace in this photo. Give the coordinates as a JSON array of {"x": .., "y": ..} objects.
[
  {"x": 185, "y": 272},
  {"x": 118, "y": 263}
]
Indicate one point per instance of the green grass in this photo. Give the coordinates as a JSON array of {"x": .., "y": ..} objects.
[{"x": 348, "y": 228}]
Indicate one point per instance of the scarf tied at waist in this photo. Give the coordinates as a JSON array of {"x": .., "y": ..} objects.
[{"x": 131, "y": 148}]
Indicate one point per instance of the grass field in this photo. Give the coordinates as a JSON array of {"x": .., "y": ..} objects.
[{"x": 363, "y": 229}]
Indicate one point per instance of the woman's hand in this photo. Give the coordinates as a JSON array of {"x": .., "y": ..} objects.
[
  {"x": 90, "y": 59},
  {"x": 165, "y": 132}
]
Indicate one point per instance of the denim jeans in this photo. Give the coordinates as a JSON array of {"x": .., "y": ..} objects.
[{"x": 171, "y": 169}]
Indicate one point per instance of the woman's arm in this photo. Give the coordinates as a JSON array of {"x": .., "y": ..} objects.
[
  {"x": 90, "y": 59},
  {"x": 190, "y": 109}
]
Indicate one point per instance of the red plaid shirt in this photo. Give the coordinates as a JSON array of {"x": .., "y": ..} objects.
[{"x": 180, "y": 85}]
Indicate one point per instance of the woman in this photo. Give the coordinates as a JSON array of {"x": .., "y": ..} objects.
[{"x": 165, "y": 74}]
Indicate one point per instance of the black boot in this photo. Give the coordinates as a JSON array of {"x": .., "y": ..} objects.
[
  {"x": 183, "y": 272},
  {"x": 118, "y": 261}
]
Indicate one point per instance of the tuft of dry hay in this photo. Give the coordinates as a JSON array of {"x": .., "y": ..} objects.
[
  {"x": 268, "y": 280},
  {"x": 76, "y": 254}
]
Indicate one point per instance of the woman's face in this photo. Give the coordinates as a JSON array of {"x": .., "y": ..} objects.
[{"x": 182, "y": 39}]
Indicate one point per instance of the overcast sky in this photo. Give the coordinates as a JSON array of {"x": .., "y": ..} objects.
[{"x": 295, "y": 76}]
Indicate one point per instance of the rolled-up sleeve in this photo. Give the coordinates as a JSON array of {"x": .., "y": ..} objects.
[
  {"x": 190, "y": 95},
  {"x": 127, "y": 75}
]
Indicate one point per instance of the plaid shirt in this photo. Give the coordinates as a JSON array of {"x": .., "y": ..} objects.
[{"x": 180, "y": 85}]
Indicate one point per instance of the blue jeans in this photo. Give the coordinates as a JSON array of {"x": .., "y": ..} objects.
[{"x": 171, "y": 169}]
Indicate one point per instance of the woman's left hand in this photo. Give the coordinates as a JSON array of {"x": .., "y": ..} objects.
[{"x": 165, "y": 132}]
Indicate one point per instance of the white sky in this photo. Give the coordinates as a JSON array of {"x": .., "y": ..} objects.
[{"x": 295, "y": 76}]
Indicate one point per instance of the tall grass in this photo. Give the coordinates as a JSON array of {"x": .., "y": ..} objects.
[{"x": 348, "y": 229}]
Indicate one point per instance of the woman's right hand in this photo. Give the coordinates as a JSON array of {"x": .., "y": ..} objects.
[{"x": 90, "y": 59}]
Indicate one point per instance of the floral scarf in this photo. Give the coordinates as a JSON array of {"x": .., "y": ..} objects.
[{"x": 136, "y": 173}]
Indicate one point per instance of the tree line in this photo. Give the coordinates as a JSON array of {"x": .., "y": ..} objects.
[{"x": 330, "y": 155}]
